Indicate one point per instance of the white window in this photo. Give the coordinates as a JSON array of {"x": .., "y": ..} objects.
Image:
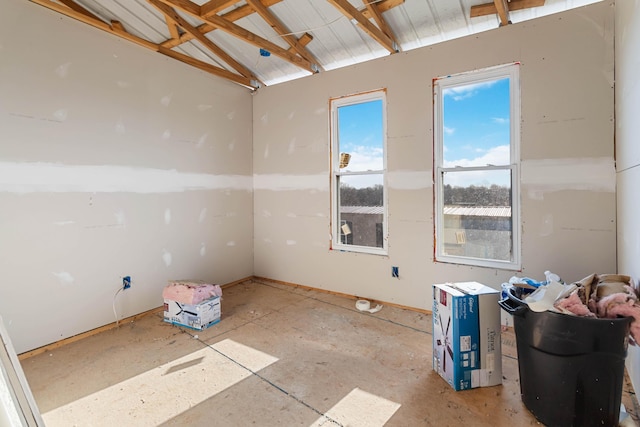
[
  {"x": 358, "y": 164},
  {"x": 476, "y": 164}
]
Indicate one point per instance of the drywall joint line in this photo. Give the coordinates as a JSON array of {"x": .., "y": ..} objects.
[
  {"x": 271, "y": 383},
  {"x": 350, "y": 309}
]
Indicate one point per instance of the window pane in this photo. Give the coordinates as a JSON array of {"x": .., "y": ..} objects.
[
  {"x": 477, "y": 220},
  {"x": 360, "y": 135},
  {"x": 476, "y": 124},
  {"x": 361, "y": 209}
]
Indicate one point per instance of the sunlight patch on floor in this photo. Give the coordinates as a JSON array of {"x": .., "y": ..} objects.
[
  {"x": 359, "y": 408},
  {"x": 165, "y": 391}
]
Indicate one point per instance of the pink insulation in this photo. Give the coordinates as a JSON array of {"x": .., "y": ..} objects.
[
  {"x": 606, "y": 297},
  {"x": 621, "y": 305},
  {"x": 190, "y": 292},
  {"x": 574, "y": 305}
]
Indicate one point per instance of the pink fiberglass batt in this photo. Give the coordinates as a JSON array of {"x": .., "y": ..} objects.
[
  {"x": 573, "y": 304},
  {"x": 624, "y": 305},
  {"x": 190, "y": 292}
]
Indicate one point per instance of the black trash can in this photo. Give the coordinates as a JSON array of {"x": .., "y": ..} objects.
[{"x": 571, "y": 368}]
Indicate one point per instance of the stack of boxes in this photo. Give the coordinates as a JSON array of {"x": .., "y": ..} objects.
[{"x": 467, "y": 350}]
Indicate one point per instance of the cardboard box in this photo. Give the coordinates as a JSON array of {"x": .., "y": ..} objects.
[
  {"x": 195, "y": 316},
  {"x": 467, "y": 350}
]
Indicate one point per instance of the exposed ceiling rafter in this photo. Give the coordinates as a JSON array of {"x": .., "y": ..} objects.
[
  {"x": 172, "y": 15},
  {"x": 173, "y": 28},
  {"x": 78, "y": 8},
  {"x": 215, "y": 36},
  {"x": 212, "y": 8},
  {"x": 363, "y": 22},
  {"x": 383, "y": 6},
  {"x": 73, "y": 10},
  {"x": 496, "y": 6},
  {"x": 502, "y": 8},
  {"x": 373, "y": 10},
  {"x": 114, "y": 27},
  {"x": 221, "y": 15},
  {"x": 237, "y": 31},
  {"x": 284, "y": 32}
]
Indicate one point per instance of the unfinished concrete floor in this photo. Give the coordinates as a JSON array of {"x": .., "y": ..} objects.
[{"x": 280, "y": 356}]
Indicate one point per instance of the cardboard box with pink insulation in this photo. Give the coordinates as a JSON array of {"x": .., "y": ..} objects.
[{"x": 192, "y": 303}]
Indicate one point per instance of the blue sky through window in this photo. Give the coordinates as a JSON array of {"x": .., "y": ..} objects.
[
  {"x": 476, "y": 128},
  {"x": 360, "y": 133},
  {"x": 477, "y": 132}
]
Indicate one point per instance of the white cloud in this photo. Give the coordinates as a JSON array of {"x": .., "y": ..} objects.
[
  {"x": 500, "y": 120},
  {"x": 459, "y": 93},
  {"x": 478, "y": 178},
  {"x": 463, "y": 96},
  {"x": 448, "y": 131},
  {"x": 365, "y": 158},
  {"x": 362, "y": 181},
  {"x": 499, "y": 155}
]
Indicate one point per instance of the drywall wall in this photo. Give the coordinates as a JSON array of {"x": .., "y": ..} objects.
[
  {"x": 568, "y": 173},
  {"x": 627, "y": 26},
  {"x": 114, "y": 161}
]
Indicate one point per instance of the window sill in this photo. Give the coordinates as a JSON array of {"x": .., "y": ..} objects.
[
  {"x": 475, "y": 262},
  {"x": 360, "y": 249}
]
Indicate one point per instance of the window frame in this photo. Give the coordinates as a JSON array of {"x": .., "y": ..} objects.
[
  {"x": 511, "y": 71},
  {"x": 336, "y": 172}
]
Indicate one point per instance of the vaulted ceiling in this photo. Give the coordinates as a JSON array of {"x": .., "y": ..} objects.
[{"x": 263, "y": 42}]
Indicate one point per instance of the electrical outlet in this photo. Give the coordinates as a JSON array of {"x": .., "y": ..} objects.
[
  {"x": 395, "y": 272},
  {"x": 126, "y": 282}
]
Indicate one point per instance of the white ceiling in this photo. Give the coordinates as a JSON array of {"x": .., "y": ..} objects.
[{"x": 337, "y": 39}]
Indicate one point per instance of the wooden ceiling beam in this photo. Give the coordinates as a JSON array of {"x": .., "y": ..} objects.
[
  {"x": 225, "y": 23},
  {"x": 490, "y": 8},
  {"x": 172, "y": 27},
  {"x": 246, "y": 10},
  {"x": 75, "y": 6},
  {"x": 233, "y": 15},
  {"x": 304, "y": 40},
  {"x": 284, "y": 32},
  {"x": 215, "y": 6},
  {"x": 114, "y": 28},
  {"x": 503, "y": 11},
  {"x": 118, "y": 27},
  {"x": 382, "y": 6},
  {"x": 351, "y": 12},
  {"x": 372, "y": 8},
  {"x": 186, "y": 6},
  {"x": 215, "y": 49},
  {"x": 212, "y": 7},
  {"x": 212, "y": 69},
  {"x": 241, "y": 33}
]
